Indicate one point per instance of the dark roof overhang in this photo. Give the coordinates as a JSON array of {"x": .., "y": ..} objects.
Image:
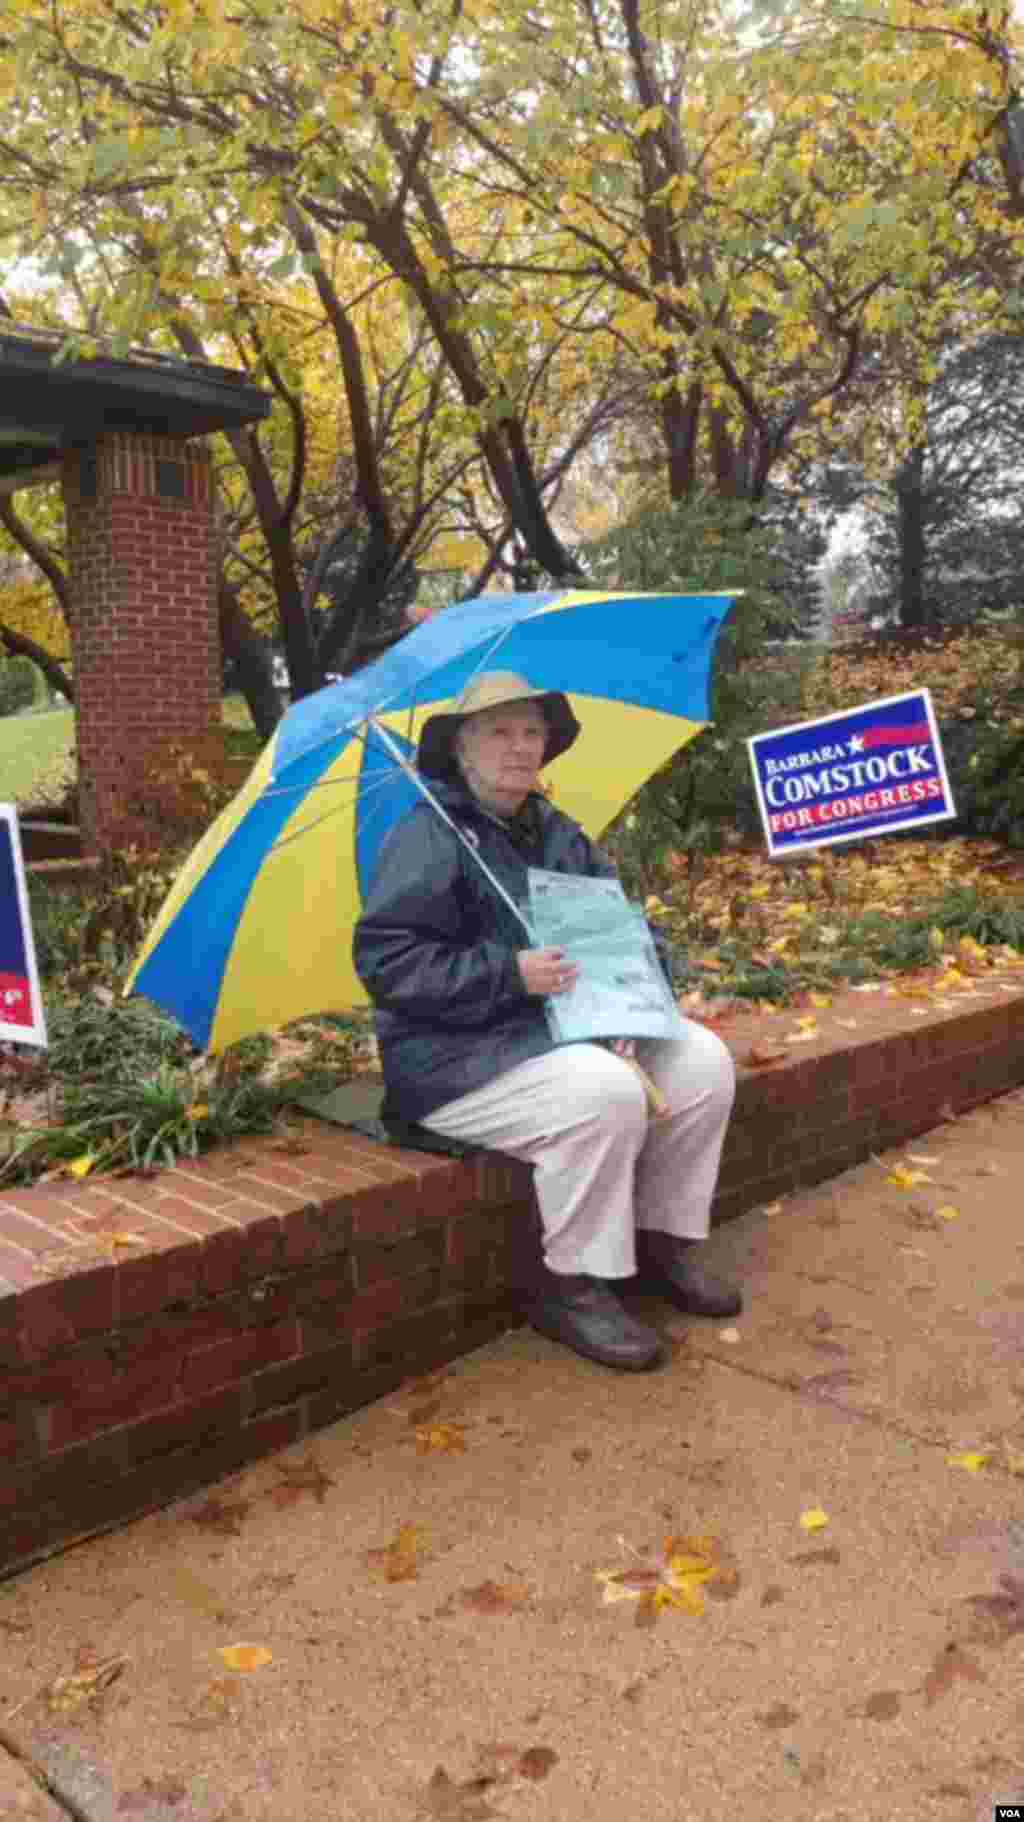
[{"x": 49, "y": 405}]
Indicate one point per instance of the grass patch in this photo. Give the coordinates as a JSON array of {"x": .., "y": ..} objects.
[
  {"x": 30, "y": 745},
  {"x": 37, "y": 759}
]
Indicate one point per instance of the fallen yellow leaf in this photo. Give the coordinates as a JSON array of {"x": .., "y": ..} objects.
[
  {"x": 814, "y": 1519},
  {"x": 81, "y": 1166},
  {"x": 971, "y": 1459},
  {"x": 441, "y": 1438},
  {"x": 245, "y": 1657},
  {"x": 901, "y": 1178},
  {"x": 676, "y": 1580},
  {"x": 821, "y": 999},
  {"x": 397, "y": 1561},
  {"x": 947, "y": 1212}
]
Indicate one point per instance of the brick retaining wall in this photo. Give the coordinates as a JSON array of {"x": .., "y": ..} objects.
[{"x": 157, "y": 1334}]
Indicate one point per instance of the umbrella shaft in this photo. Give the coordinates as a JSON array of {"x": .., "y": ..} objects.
[{"x": 397, "y": 754}]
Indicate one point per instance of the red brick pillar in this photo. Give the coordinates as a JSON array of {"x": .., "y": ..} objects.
[{"x": 144, "y": 641}]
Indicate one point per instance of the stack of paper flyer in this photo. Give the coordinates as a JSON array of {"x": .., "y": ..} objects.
[{"x": 621, "y": 991}]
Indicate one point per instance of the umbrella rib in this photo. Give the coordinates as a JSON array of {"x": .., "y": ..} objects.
[{"x": 382, "y": 707}]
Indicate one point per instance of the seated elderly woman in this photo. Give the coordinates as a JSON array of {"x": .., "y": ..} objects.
[{"x": 466, "y": 1049}]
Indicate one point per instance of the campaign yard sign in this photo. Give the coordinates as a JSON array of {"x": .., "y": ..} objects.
[
  {"x": 21, "y": 1004},
  {"x": 866, "y": 771}
]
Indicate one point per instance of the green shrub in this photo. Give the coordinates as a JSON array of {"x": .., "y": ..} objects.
[
  {"x": 19, "y": 680},
  {"x": 985, "y": 763}
]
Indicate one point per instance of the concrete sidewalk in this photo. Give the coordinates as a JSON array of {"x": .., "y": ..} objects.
[{"x": 423, "y": 1579}]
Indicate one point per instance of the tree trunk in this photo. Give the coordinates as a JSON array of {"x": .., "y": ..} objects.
[
  {"x": 910, "y": 508},
  {"x": 252, "y": 657}
]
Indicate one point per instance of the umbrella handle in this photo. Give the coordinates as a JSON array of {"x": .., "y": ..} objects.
[{"x": 657, "y": 1106}]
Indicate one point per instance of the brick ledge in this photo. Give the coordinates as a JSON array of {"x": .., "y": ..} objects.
[{"x": 157, "y": 1335}]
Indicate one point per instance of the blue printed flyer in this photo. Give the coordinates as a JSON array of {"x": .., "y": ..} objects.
[
  {"x": 21, "y": 1005},
  {"x": 866, "y": 771}
]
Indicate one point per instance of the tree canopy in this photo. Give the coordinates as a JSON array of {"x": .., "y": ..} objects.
[{"x": 465, "y": 246}]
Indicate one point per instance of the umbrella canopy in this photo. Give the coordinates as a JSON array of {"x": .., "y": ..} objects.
[{"x": 257, "y": 929}]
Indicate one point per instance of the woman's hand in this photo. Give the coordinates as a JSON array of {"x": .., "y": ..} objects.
[{"x": 547, "y": 971}]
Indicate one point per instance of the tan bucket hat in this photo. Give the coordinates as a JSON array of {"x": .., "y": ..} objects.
[{"x": 491, "y": 690}]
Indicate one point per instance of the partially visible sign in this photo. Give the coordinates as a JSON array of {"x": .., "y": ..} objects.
[
  {"x": 866, "y": 771},
  {"x": 21, "y": 1004}
]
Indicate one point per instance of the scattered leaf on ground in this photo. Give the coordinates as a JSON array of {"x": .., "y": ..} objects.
[
  {"x": 677, "y": 1579},
  {"x": 88, "y": 1684},
  {"x": 950, "y": 1664},
  {"x": 423, "y": 1413},
  {"x": 197, "y": 1594},
  {"x": 884, "y": 1705},
  {"x": 971, "y": 1459},
  {"x": 582, "y": 1455},
  {"x": 447, "y": 1801},
  {"x": 1013, "y": 1458},
  {"x": 220, "y": 1515},
  {"x": 441, "y": 1439},
  {"x": 779, "y": 1715},
  {"x": 244, "y": 1658},
  {"x": 536, "y": 1762},
  {"x": 218, "y": 1702},
  {"x": 827, "y": 1554},
  {"x": 398, "y": 1560},
  {"x": 772, "y": 1595},
  {"x": 496, "y": 1597},
  {"x": 729, "y": 1336},
  {"x": 902, "y": 1178},
  {"x": 999, "y": 1616},
  {"x": 947, "y": 1212},
  {"x": 299, "y": 1477},
  {"x": 814, "y": 1519},
  {"x": 496, "y": 1762}
]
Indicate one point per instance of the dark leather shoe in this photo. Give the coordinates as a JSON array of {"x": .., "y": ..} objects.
[
  {"x": 584, "y": 1314},
  {"x": 667, "y": 1267}
]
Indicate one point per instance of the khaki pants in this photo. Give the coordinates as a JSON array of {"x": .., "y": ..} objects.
[{"x": 603, "y": 1168}]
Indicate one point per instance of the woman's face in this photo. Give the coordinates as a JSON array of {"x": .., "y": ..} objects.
[{"x": 500, "y": 752}]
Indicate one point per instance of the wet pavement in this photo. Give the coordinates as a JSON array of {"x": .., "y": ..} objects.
[{"x": 417, "y": 1593}]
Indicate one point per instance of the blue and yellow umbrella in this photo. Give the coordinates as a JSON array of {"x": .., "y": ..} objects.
[{"x": 257, "y": 929}]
